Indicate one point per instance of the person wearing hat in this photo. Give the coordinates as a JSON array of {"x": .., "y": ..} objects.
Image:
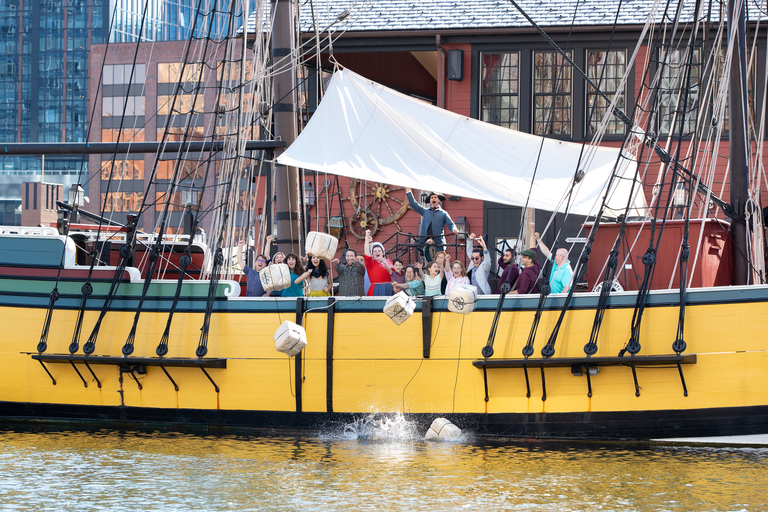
[
  {"x": 378, "y": 266},
  {"x": 526, "y": 283},
  {"x": 433, "y": 219}
]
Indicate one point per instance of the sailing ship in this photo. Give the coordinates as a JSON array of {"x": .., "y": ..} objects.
[{"x": 96, "y": 333}]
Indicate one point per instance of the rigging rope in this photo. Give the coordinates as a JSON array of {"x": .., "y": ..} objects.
[
  {"x": 185, "y": 259},
  {"x": 54, "y": 295},
  {"x": 156, "y": 250},
  {"x": 544, "y": 289},
  {"x": 649, "y": 259},
  {"x": 651, "y": 141},
  {"x": 549, "y": 348},
  {"x": 543, "y": 278},
  {"x": 679, "y": 344},
  {"x": 87, "y": 288},
  {"x": 230, "y": 176}
]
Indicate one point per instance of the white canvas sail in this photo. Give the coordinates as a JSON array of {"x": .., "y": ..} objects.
[{"x": 364, "y": 130}]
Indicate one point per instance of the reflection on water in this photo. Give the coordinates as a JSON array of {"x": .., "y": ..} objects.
[{"x": 136, "y": 471}]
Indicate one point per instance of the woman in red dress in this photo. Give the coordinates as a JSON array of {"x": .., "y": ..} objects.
[{"x": 379, "y": 268}]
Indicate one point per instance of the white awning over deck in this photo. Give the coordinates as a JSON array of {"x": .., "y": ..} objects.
[{"x": 364, "y": 130}]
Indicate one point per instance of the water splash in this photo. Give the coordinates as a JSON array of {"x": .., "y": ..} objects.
[{"x": 387, "y": 428}]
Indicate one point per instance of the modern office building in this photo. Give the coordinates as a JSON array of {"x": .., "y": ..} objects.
[
  {"x": 140, "y": 102},
  {"x": 44, "y": 77},
  {"x": 169, "y": 20},
  {"x": 43, "y": 88}
]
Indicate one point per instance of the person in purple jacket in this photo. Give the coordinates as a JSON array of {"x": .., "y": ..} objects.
[
  {"x": 509, "y": 270},
  {"x": 526, "y": 283}
]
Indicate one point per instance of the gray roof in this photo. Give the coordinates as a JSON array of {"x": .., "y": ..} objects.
[{"x": 431, "y": 15}]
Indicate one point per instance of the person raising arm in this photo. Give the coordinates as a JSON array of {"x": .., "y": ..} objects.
[
  {"x": 351, "y": 275},
  {"x": 561, "y": 274},
  {"x": 379, "y": 268},
  {"x": 480, "y": 265},
  {"x": 254, "y": 287},
  {"x": 433, "y": 219}
]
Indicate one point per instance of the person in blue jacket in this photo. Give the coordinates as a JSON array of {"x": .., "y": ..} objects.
[{"x": 433, "y": 219}]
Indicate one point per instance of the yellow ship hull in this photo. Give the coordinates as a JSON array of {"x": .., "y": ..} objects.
[{"x": 429, "y": 366}]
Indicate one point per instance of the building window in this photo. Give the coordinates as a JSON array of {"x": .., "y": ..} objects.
[
  {"x": 711, "y": 101},
  {"x": 178, "y": 134},
  {"x": 673, "y": 107},
  {"x": 180, "y": 104},
  {"x": 122, "y": 201},
  {"x": 605, "y": 69},
  {"x": 127, "y": 135},
  {"x": 551, "y": 94},
  {"x": 229, "y": 73},
  {"x": 189, "y": 170},
  {"x": 499, "y": 94},
  {"x": 119, "y": 74},
  {"x": 122, "y": 170},
  {"x": 116, "y": 105},
  {"x": 169, "y": 72},
  {"x": 179, "y": 202}
]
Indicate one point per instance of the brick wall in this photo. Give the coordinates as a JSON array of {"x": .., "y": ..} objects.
[
  {"x": 459, "y": 93},
  {"x": 38, "y": 203},
  {"x": 409, "y": 223}
]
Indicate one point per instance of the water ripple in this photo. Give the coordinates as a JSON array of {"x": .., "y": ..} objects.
[{"x": 119, "y": 471}]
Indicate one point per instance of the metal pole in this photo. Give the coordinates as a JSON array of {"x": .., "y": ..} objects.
[
  {"x": 739, "y": 175},
  {"x": 288, "y": 205},
  {"x": 169, "y": 149}
]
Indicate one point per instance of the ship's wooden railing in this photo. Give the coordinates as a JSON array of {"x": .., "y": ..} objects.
[
  {"x": 131, "y": 365},
  {"x": 581, "y": 365}
]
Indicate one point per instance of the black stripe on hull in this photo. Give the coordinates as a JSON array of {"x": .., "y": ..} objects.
[{"x": 627, "y": 425}]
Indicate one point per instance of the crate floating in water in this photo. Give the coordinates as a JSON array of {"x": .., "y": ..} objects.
[{"x": 442, "y": 430}]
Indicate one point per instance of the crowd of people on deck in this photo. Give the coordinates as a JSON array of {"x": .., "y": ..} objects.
[{"x": 373, "y": 274}]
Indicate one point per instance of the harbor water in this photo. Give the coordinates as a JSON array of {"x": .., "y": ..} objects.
[{"x": 346, "y": 470}]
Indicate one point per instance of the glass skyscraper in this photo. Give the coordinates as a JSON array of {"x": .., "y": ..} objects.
[
  {"x": 169, "y": 20},
  {"x": 44, "y": 76},
  {"x": 43, "y": 88}
]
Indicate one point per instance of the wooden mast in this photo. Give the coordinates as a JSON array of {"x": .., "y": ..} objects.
[
  {"x": 287, "y": 205},
  {"x": 738, "y": 139}
]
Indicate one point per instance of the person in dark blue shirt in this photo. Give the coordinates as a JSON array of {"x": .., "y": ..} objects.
[
  {"x": 433, "y": 219},
  {"x": 254, "y": 287}
]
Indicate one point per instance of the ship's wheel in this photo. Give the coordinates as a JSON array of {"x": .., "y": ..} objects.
[
  {"x": 378, "y": 203},
  {"x": 361, "y": 221}
]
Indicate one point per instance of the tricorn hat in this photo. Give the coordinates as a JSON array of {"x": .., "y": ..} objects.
[{"x": 438, "y": 194}]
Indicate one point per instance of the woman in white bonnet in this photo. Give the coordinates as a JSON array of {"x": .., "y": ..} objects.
[{"x": 379, "y": 268}]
